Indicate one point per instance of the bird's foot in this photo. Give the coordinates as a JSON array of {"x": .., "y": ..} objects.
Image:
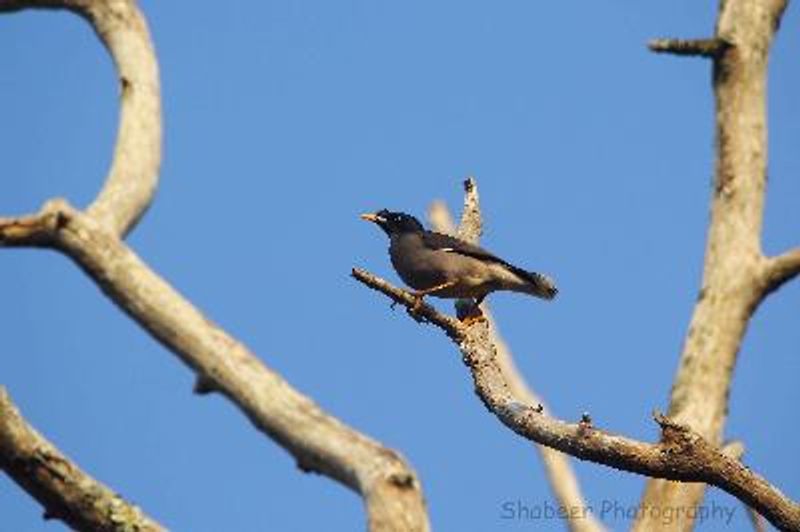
[
  {"x": 472, "y": 316},
  {"x": 414, "y": 310},
  {"x": 418, "y": 302}
]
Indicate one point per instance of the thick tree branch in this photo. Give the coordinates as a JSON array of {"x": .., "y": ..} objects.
[
  {"x": 735, "y": 279},
  {"x": 681, "y": 455},
  {"x": 65, "y": 491},
  {"x": 557, "y": 466},
  {"x": 318, "y": 441},
  {"x": 133, "y": 176}
]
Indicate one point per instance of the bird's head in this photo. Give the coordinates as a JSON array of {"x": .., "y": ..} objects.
[{"x": 394, "y": 223}]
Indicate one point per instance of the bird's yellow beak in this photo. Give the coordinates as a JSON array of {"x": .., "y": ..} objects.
[{"x": 372, "y": 217}]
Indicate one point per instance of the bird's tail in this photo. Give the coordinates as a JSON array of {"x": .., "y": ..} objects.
[{"x": 537, "y": 284}]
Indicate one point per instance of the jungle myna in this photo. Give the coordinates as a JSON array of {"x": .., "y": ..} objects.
[{"x": 443, "y": 266}]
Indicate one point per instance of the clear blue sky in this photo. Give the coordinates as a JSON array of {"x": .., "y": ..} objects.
[{"x": 284, "y": 120}]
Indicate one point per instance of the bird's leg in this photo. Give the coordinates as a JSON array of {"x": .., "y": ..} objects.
[
  {"x": 475, "y": 314},
  {"x": 419, "y": 294}
]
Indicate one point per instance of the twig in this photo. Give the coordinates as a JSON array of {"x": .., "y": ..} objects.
[
  {"x": 690, "y": 47},
  {"x": 781, "y": 269}
]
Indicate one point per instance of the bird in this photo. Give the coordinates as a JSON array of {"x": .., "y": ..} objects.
[{"x": 443, "y": 266}]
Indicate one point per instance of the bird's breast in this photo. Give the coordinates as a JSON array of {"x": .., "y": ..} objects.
[{"x": 417, "y": 265}]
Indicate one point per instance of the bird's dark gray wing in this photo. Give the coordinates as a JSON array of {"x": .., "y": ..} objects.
[
  {"x": 544, "y": 286},
  {"x": 454, "y": 245}
]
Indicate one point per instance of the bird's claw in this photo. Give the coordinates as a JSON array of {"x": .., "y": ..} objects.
[
  {"x": 469, "y": 321},
  {"x": 416, "y": 307},
  {"x": 418, "y": 317},
  {"x": 473, "y": 316}
]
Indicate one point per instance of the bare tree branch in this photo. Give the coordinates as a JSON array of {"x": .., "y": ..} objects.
[
  {"x": 318, "y": 441},
  {"x": 133, "y": 176},
  {"x": 559, "y": 472},
  {"x": 65, "y": 491},
  {"x": 736, "y": 278},
  {"x": 681, "y": 455},
  {"x": 736, "y": 275}
]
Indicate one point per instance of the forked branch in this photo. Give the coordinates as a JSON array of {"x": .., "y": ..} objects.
[
  {"x": 736, "y": 275},
  {"x": 93, "y": 239},
  {"x": 133, "y": 177}
]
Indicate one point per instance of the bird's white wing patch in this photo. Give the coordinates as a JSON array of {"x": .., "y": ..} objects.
[{"x": 447, "y": 250}]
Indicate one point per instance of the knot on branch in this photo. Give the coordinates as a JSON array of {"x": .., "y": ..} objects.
[
  {"x": 59, "y": 211},
  {"x": 469, "y": 185},
  {"x": 669, "y": 427},
  {"x": 677, "y": 438},
  {"x": 37, "y": 229},
  {"x": 403, "y": 480},
  {"x": 514, "y": 413},
  {"x": 204, "y": 385}
]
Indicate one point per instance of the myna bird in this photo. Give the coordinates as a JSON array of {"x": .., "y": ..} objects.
[{"x": 443, "y": 266}]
